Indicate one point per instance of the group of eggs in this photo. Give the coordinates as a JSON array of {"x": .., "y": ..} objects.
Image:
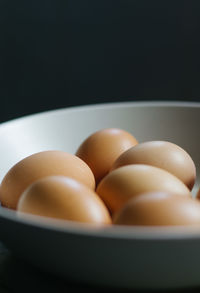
[{"x": 111, "y": 179}]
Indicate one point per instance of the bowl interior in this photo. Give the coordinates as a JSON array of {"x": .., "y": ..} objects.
[{"x": 65, "y": 129}]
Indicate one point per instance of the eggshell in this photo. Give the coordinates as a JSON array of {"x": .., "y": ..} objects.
[
  {"x": 162, "y": 154},
  {"x": 159, "y": 209},
  {"x": 198, "y": 194},
  {"x": 102, "y": 148},
  {"x": 127, "y": 182},
  {"x": 63, "y": 198},
  {"x": 40, "y": 165}
]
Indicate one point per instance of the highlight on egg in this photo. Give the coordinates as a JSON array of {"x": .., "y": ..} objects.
[
  {"x": 161, "y": 154},
  {"x": 129, "y": 181},
  {"x": 63, "y": 198},
  {"x": 159, "y": 209},
  {"x": 103, "y": 147},
  {"x": 40, "y": 165}
]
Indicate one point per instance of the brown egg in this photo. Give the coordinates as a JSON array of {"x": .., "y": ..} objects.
[
  {"x": 63, "y": 198},
  {"x": 198, "y": 194},
  {"x": 159, "y": 209},
  {"x": 102, "y": 148},
  {"x": 164, "y": 155},
  {"x": 127, "y": 182},
  {"x": 40, "y": 165}
]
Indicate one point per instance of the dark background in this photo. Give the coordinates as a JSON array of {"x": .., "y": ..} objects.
[{"x": 56, "y": 53}]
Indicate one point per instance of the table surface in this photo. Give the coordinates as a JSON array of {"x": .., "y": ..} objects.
[{"x": 19, "y": 276}]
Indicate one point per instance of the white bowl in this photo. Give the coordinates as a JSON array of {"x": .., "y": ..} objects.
[{"x": 123, "y": 257}]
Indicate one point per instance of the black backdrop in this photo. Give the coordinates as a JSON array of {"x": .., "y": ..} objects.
[{"x": 59, "y": 53}]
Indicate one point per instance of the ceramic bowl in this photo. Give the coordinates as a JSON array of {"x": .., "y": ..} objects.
[{"x": 120, "y": 257}]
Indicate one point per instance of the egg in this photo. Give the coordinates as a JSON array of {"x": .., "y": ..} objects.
[
  {"x": 159, "y": 209},
  {"x": 102, "y": 148},
  {"x": 162, "y": 154},
  {"x": 63, "y": 198},
  {"x": 39, "y": 165},
  {"x": 198, "y": 194},
  {"x": 129, "y": 181}
]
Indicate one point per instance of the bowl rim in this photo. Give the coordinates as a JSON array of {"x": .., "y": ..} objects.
[
  {"x": 106, "y": 231},
  {"x": 150, "y": 233},
  {"x": 124, "y": 104}
]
